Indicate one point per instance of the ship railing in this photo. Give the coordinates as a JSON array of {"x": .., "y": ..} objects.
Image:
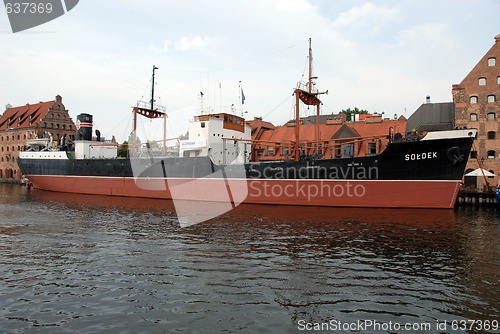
[
  {"x": 302, "y": 85},
  {"x": 147, "y": 105},
  {"x": 263, "y": 150},
  {"x": 154, "y": 148}
]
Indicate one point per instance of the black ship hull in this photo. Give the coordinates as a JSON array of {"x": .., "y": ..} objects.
[{"x": 424, "y": 173}]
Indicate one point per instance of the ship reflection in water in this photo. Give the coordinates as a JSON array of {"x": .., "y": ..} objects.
[{"x": 77, "y": 263}]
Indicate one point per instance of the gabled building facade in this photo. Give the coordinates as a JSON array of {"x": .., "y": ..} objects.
[
  {"x": 20, "y": 124},
  {"x": 338, "y": 138},
  {"x": 477, "y": 105}
]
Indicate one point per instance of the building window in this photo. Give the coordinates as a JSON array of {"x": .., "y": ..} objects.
[
  {"x": 491, "y": 61},
  {"x": 44, "y": 125},
  {"x": 473, "y": 100},
  {"x": 473, "y": 117},
  {"x": 491, "y": 134},
  {"x": 498, "y": 80},
  {"x": 482, "y": 82},
  {"x": 491, "y": 98},
  {"x": 372, "y": 148},
  {"x": 348, "y": 150},
  {"x": 491, "y": 116},
  {"x": 491, "y": 154},
  {"x": 270, "y": 150},
  {"x": 7, "y": 149}
]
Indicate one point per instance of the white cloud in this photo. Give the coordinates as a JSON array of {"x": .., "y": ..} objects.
[
  {"x": 427, "y": 36},
  {"x": 302, "y": 6},
  {"x": 183, "y": 44},
  {"x": 193, "y": 43},
  {"x": 368, "y": 17},
  {"x": 164, "y": 48}
]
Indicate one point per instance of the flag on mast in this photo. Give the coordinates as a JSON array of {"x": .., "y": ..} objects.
[{"x": 242, "y": 94}]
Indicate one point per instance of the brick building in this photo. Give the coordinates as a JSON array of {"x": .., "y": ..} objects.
[
  {"x": 477, "y": 105},
  {"x": 336, "y": 136},
  {"x": 20, "y": 124}
]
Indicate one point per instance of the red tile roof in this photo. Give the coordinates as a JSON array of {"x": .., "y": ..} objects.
[
  {"x": 24, "y": 116},
  {"x": 307, "y": 131}
]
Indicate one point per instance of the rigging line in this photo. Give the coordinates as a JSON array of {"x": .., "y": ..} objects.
[
  {"x": 110, "y": 132},
  {"x": 145, "y": 90},
  {"x": 158, "y": 97},
  {"x": 277, "y": 106},
  {"x": 304, "y": 71},
  {"x": 124, "y": 134},
  {"x": 142, "y": 130},
  {"x": 324, "y": 106},
  {"x": 258, "y": 57}
]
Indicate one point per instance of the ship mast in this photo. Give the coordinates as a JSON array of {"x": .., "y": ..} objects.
[
  {"x": 309, "y": 83},
  {"x": 153, "y": 88},
  {"x": 152, "y": 112},
  {"x": 309, "y": 97}
]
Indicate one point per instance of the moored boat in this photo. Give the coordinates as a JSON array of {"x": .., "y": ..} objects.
[
  {"x": 416, "y": 174},
  {"x": 214, "y": 165}
]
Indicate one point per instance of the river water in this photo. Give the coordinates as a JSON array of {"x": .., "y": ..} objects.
[{"x": 93, "y": 264}]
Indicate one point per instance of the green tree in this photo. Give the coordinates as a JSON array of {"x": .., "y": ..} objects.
[
  {"x": 123, "y": 150},
  {"x": 349, "y": 112}
]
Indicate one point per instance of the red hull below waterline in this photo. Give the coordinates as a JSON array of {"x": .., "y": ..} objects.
[{"x": 335, "y": 193}]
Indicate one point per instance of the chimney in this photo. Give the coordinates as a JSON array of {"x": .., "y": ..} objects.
[{"x": 428, "y": 99}]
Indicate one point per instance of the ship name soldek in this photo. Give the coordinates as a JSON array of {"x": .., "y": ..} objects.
[{"x": 421, "y": 156}]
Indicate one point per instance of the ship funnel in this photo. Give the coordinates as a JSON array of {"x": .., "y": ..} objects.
[{"x": 84, "y": 127}]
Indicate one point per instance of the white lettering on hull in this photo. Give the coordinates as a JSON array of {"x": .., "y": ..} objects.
[{"x": 421, "y": 156}]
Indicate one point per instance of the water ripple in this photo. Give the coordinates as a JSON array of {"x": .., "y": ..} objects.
[{"x": 98, "y": 264}]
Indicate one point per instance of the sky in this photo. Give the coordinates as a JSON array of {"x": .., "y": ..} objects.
[{"x": 383, "y": 56}]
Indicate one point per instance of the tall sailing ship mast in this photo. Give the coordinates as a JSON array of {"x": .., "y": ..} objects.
[{"x": 308, "y": 96}]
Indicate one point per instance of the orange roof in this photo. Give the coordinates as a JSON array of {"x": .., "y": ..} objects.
[
  {"x": 24, "y": 116},
  {"x": 307, "y": 131},
  {"x": 258, "y": 122}
]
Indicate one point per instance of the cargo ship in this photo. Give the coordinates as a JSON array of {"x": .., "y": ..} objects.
[
  {"x": 214, "y": 165},
  {"x": 425, "y": 173}
]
